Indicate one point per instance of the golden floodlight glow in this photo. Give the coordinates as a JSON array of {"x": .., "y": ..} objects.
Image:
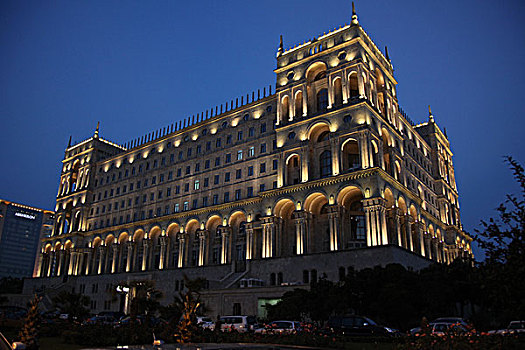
[
  {"x": 177, "y": 143},
  {"x": 256, "y": 114},
  {"x": 118, "y": 163},
  {"x": 131, "y": 159},
  {"x": 145, "y": 154},
  {"x": 106, "y": 168},
  {"x": 280, "y": 142},
  {"x": 334, "y": 127},
  {"x": 331, "y": 200},
  {"x": 202, "y": 225},
  {"x": 224, "y": 222},
  {"x": 213, "y": 131},
  {"x": 298, "y": 205},
  {"x": 367, "y": 193},
  {"x": 161, "y": 148},
  {"x": 269, "y": 211},
  {"x": 235, "y": 122},
  {"x": 194, "y": 137},
  {"x": 249, "y": 217},
  {"x": 181, "y": 230}
]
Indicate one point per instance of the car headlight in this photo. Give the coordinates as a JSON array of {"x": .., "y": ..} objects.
[{"x": 389, "y": 330}]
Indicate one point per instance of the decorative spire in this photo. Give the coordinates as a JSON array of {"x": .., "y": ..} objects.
[
  {"x": 280, "y": 51},
  {"x": 69, "y": 143},
  {"x": 96, "y": 131},
  {"x": 430, "y": 116},
  {"x": 354, "y": 16},
  {"x": 386, "y": 53},
  {"x": 445, "y": 132}
]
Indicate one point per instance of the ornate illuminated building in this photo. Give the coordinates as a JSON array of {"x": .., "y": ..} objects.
[{"x": 269, "y": 191}]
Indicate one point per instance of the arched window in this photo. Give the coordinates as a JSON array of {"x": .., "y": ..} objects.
[
  {"x": 322, "y": 100},
  {"x": 325, "y": 163},
  {"x": 293, "y": 170},
  {"x": 279, "y": 278},
  {"x": 272, "y": 279},
  {"x": 354, "y": 89},
  {"x": 338, "y": 92},
  {"x": 285, "y": 108},
  {"x": 299, "y": 104},
  {"x": 351, "y": 159}
]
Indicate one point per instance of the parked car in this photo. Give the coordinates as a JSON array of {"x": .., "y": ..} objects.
[
  {"x": 442, "y": 328},
  {"x": 280, "y": 327},
  {"x": 512, "y": 328},
  {"x": 358, "y": 326},
  {"x": 104, "y": 320},
  {"x": 450, "y": 320},
  {"x": 205, "y": 322},
  {"x": 239, "y": 323}
]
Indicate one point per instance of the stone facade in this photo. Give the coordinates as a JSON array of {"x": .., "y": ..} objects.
[{"x": 324, "y": 174}]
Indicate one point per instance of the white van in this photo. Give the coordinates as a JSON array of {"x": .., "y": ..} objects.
[{"x": 238, "y": 323}]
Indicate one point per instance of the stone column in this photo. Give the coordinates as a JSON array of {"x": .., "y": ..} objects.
[
  {"x": 129, "y": 258},
  {"x": 202, "y": 247},
  {"x": 363, "y": 149},
  {"x": 80, "y": 262},
  {"x": 334, "y": 225},
  {"x": 269, "y": 236},
  {"x": 419, "y": 237},
  {"x": 89, "y": 258},
  {"x": 345, "y": 86},
  {"x": 182, "y": 240},
  {"x": 334, "y": 143},
  {"x": 305, "y": 100},
  {"x": 60, "y": 258},
  {"x": 409, "y": 224},
  {"x": 114, "y": 258},
  {"x": 304, "y": 163},
  {"x": 250, "y": 237},
  {"x": 145, "y": 244},
  {"x": 280, "y": 171},
  {"x": 101, "y": 254},
  {"x": 397, "y": 224},
  {"x": 375, "y": 221},
  {"x": 72, "y": 262},
  {"x": 225, "y": 243},
  {"x": 360, "y": 83},
  {"x": 301, "y": 243},
  {"x": 162, "y": 260},
  {"x": 167, "y": 256}
]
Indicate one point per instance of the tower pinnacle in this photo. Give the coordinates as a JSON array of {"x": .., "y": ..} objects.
[
  {"x": 96, "y": 131},
  {"x": 386, "y": 54},
  {"x": 280, "y": 51},
  {"x": 354, "y": 16},
  {"x": 69, "y": 143},
  {"x": 430, "y": 116}
]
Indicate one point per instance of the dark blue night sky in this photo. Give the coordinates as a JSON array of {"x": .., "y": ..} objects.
[{"x": 137, "y": 66}]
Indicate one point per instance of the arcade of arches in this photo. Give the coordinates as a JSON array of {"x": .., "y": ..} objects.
[{"x": 315, "y": 224}]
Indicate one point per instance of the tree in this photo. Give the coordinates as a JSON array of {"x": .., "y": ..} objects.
[
  {"x": 144, "y": 297},
  {"x": 503, "y": 240},
  {"x": 188, "y": 302},
  {"x": 73, "y": 304},
  {"x": 29, "y": 332}
]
